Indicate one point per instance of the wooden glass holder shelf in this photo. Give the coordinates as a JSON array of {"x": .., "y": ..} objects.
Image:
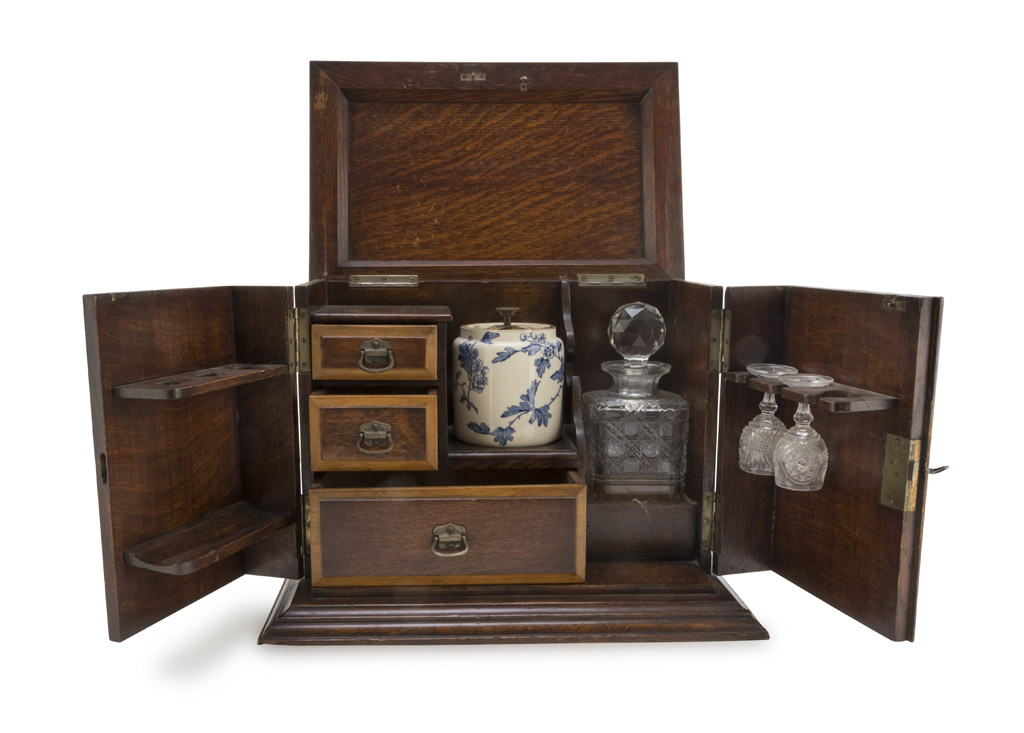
[
  {"x": 198, "y": 382},
  {"x": 199, "y": 544},
  {"x": 834, "y": 397}
]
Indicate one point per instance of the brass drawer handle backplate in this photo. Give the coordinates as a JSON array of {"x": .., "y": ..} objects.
[
  {"x": 375, "y": 437},
  {"x": 450, "y": 540},
  {"x": 375, "y": 356}
]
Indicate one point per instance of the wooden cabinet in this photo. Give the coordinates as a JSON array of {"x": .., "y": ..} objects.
[{"x": 304, "y": 432}]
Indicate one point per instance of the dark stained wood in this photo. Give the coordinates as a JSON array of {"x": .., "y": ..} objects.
[
  {"x": 382, "y": 314},
  {"x": 385, "y": 536},
  {"x": 166, "y": 463},
  {"x": 662, "y": 174},
  {"x": 642, "y": 530},
  {"x": 189, "y": 384},
  {"x": 335, "y": 440},
  {"x": 338, "y": 352},
  {"x": 747, "y": 502},
  {"x": 417, "y": 171},
  {"x": 560, "y": 454},
  {"x": 619, "y": 602},
  {"x": 834, "y": 398},
  {"x": 197, "y": 545},
  {"x": 840, "y": 543},
  {"x": 442, "y": 81},
  {"x": 431, "y": 183},
  {"x": 688, "y": 318}
]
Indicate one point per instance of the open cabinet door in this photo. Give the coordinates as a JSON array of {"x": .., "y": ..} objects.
[
  {"x": 855, "y": 543},
  {"x": 196, "y": 453}
]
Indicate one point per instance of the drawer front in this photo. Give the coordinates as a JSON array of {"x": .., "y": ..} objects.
[
  {"x": 448, "y": 535},
  {"x": 373, "y": 432},
  {"x": 375, "y": 352}
]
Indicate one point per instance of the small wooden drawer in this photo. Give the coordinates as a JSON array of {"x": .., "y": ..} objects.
[
  {"x": 448, "y": 535},
  {"x": 391, "y": 353},
  {"x": 373, "y": 432}
]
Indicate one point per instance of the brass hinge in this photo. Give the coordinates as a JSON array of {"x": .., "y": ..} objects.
[
  {"x": 298, "y": 337},
  {"x": 718, "y": 344},
  {"x": 473, "y": 76},
  {"x": 614, "y": 280},
  {"x": 711, "y": 523},
  {"x": 383, "y": 281},
  {"x": 900, "y": 468}
]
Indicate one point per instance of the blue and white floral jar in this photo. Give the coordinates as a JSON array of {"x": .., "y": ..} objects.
[{"x": 507, "y": 385}]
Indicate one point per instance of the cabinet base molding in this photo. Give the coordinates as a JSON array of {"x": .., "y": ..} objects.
[{"x": 619, "y": 602}]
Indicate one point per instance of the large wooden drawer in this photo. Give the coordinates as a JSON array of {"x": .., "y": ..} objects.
[
  {"x": 378, "y": 353},
  {"x": 448, "y": 535},
  {"x": 373, "y": 432}
]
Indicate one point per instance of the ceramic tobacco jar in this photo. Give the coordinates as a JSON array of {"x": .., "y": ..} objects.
[
  {"x": 508, "y": 383},
  {"x": 635, "y": 432}
]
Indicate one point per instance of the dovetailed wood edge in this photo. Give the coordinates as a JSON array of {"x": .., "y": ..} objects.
[
  {"x": 834, "y": 397},
  {"x": 202, "y": 543},
  {"x": 199, "y": 381}
]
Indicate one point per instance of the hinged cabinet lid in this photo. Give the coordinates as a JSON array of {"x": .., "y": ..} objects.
[{"x": 484, "y": 171}]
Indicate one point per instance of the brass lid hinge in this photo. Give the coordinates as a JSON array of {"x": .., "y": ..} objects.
[
  {"x": 718, "y": 342},
  {"x": 711, "y": 522},
  {"x": 298, "y": 338},
  {"x": 383, "y": 281},
  {"x": 612, "y": 280},
  {"x": 900, "y": 468}
]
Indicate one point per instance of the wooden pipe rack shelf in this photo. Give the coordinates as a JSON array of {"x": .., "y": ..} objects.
[
  {"x": 199, "y": 544},
  {"x": 200, "y": 381}
]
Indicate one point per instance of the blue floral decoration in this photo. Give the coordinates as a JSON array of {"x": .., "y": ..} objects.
[
  {"x": 475, "y": 371},
  {"x": 544, "y": 352}
]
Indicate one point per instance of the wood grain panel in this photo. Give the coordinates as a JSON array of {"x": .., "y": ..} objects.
[
  {"x": 335, "y": 422},
  {"x": 415, "y": 169},
  {"x": 337, "y": 352},
  {"x": 470, "y": 182},
  {"x": 385, "y": 536},
  {"x": 162, "y": 465},
  {"x": 747, "y": 502},
  {"x": 841, "y": 543}
]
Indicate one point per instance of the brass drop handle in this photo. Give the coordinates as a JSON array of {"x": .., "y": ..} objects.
[
  {"x": 375, "y": 356},
  {"x": 376, "y": 437},
  {"x": 450, "y": 540}
]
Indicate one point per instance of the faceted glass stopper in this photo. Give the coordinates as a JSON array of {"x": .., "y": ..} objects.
[{"x": 636, "y": 331}]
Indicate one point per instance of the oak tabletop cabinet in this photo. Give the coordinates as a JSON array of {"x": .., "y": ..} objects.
[{"x": 305, "y": 432}]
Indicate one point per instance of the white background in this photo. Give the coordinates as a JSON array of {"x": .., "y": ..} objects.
[{"x": 866, "y": 145}]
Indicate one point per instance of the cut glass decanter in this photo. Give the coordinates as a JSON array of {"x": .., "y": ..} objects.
[{"x": 635, "y": 432}]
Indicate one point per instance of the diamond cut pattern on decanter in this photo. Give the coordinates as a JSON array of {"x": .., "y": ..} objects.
[{"x": 638, "y": 448}]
